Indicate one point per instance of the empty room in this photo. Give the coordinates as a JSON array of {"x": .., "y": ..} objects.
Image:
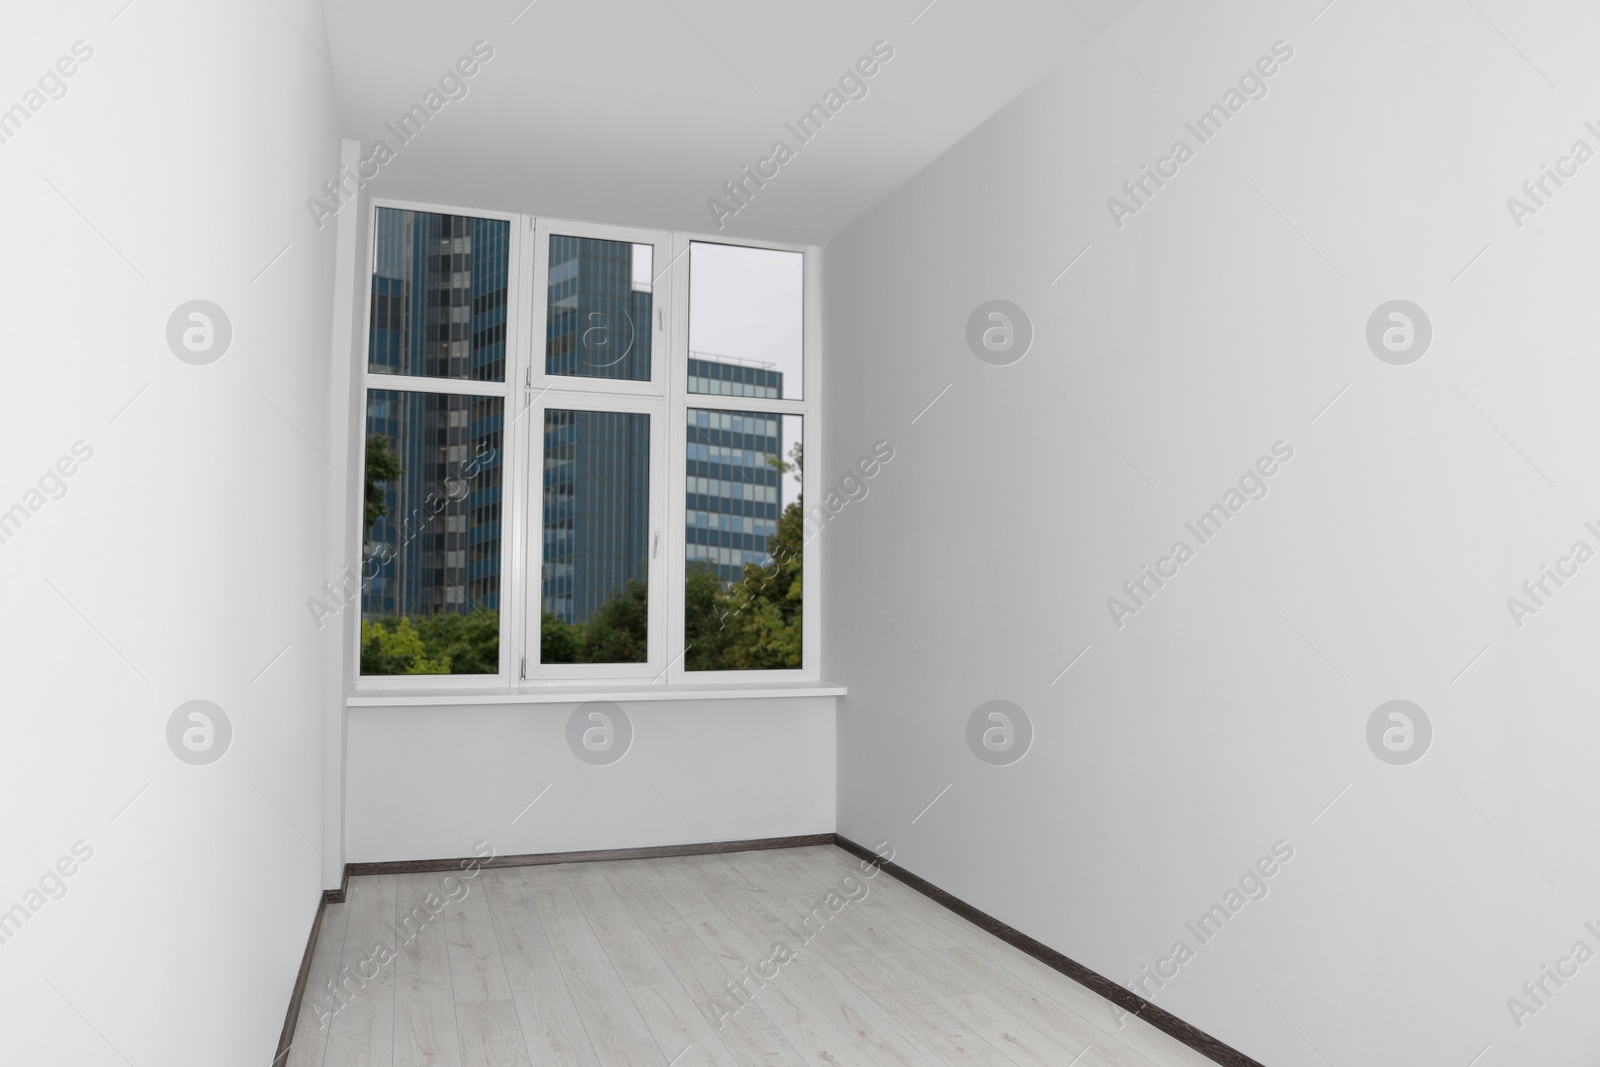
[{"x": 687, "y": 533}]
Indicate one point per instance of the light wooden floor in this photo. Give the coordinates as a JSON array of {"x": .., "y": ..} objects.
[{"x": 630, "y": 963}]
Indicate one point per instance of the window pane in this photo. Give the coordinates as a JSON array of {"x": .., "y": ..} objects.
[
  {"x": 598, "y": 319},
  {"x": 439, "y": 296},
  {"x": 430, "y": 595},
  {"x": 596, "y": 600},
  {"x": 745, "y": 321},
  {"x": 744, "y": 541}
]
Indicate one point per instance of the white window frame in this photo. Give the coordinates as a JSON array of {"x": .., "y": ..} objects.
[
  {"x": 528, "y": 392},
  {"x": 681, "y": 401},
  {"x": 513, "y": 585},
  {"x": 568, "y": 673}
]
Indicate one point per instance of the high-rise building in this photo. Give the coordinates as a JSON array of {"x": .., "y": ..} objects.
[
  {"x": 735, "y": 494},
  {"x": 439, "y": 290},
  {"x": 596, "y": 464},
  {"x": 598, "y": 312},
  {"x": 596, "y": 508},
  {"x": 715, "y": 375}
]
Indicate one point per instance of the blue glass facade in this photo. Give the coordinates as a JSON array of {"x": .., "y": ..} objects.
[
  {"x": 598, "y": 315},
  {"x": 720, "y": 377},
  {"x": 596, "y": 508},
  {"x": 733, "y": 494},
  {"x": 439, "y": 288},
  {"x": 439, "y": 291}
]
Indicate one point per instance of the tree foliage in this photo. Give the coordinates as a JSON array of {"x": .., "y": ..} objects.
[
  {"x": 393, "y": 646},
  {"x": 754, "y": 623},
  {"x": 431, "y": 644},
  {"x": 382, "y": 466},
  {"x": 617, "y": 633}
]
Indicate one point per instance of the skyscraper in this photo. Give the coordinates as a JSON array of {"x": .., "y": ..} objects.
[
  {"x": 734, "y": 494},
  {"x": 439, "y": 290},
  {"x": 599, "y": 307},
  {"x": 596, "y": 483},
  {"x": 596, "y": 508}
]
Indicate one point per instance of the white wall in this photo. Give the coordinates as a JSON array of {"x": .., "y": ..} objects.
[
  {"x": 1204, "y": 330},
  {"x": 176, "y": 566},
  {"x": 429, "y": 783}
]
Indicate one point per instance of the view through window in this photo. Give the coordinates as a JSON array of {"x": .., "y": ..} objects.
[
  {"x": 431, "y": 551},
  {"x": 744, "y": 537},
  {"x": 590, "y": 405}
]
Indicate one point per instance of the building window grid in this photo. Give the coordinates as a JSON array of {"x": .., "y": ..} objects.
[{"x": 728, "y": 474}]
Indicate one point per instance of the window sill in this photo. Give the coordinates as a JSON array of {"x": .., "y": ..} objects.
[{"x": 574, "y": 694}]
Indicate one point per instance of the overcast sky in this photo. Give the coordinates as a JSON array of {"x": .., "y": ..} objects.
[{"x": 746, "y": 303}]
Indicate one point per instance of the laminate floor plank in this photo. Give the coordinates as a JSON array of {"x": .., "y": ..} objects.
[
  {"x": 904, "y": 998},
  {"x": 361, "y": 1033},
  {"x": 1020, "y": 1018},
  {"x": 486, "y": 1019},
  {"x": 853, "y": 1010},
  {"x": 549, "y": 1019},
  {"x": 667, "y": 1006},
  {"x": 616, "y": 1030},
  {"x": 310, "y": 1042},
  {"x": 781, "y": 958},
  {"x": 425, "y": 1032},
  {"x": 490, "y": 1034},
  {"x": 712, "y": 953},
  {"x": 1040, "y": 993},
  {"x": 1019, "y": 1041},
  {"x": 477, "y": 966}
]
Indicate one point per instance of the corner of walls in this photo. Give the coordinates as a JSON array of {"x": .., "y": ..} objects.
[
  {"x": 1204, "y": 342},
  {"x": 346, "y": 417}
]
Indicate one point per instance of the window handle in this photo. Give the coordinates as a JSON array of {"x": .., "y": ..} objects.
[
  {"x": 661, "y": 318},
  {"x": 655, "y": 547}
]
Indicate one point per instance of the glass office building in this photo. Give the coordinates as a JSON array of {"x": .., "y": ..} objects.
[
  {"x": 598, "y": 310},
  {"x": 596, "y": 508},
  {"x": 734, "y": 494},
  {"x": 596, "y": 483},
  {"x": 439, "y": 291}
]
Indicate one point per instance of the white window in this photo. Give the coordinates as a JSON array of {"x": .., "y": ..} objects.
[{"x": 582, "y": 454}]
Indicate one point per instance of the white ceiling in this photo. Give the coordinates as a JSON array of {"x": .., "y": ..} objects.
[{"x": 636, "y": 111}]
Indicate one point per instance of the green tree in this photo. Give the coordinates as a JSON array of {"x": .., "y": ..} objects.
[
  {"x": 755, "y": 623},
  {"x": 619, "y": 632},
  {"x": 705, "y": 604},
  {"x": 382, "y": 466},
  {"x": 764, "y": 620},
  {"x": 393, "y": 646},
  {"x": 560, "y": 641},
  {"x": 470, "y": 643}
]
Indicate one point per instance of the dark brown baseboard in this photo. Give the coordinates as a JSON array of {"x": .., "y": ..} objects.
[
  {"x": 702, "y": 848},
  {"x": 1119, "y": 995},
  {"x": 286, "y": 1037}
]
